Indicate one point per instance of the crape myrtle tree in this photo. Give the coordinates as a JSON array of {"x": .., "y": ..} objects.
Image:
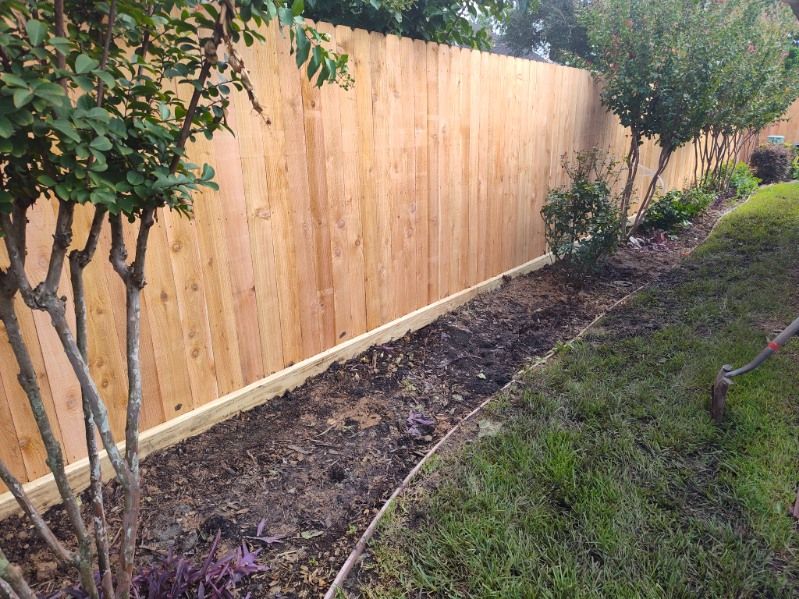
[
  {"x": 89, "y": 115},
  {"x": 651, "y": 58},
  {"x": 667, "y": 68},
  {"x": 758, "y": 81}
]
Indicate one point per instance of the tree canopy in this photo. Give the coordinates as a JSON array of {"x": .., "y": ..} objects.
[
  {"x": 548, "y": 26},
  {"x": 465, "y": 23},
  {"x": 675, "y": 69}
]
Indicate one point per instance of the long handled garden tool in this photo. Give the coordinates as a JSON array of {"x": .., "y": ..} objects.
[{"x": 726, "y": 374}]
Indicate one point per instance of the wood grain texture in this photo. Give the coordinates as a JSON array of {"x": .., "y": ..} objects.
[{"x": 340, "y": 211}]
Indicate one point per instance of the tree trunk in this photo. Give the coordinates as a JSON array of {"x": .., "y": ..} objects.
[
  {"x": 632, "y": 160},
  {"x": 55, "y": 457},
  {"x": 663, "y": 161},
  {"x": 78, "y": 260}
]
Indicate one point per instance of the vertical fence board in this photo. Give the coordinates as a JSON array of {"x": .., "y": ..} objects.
[
  {"x": 434, "y": 174},
  {"x": 382, "y": 174},
  {"x": 421, "y": 200}
]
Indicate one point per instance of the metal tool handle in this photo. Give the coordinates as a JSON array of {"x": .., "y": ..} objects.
[{"x": 773, "y": 347}]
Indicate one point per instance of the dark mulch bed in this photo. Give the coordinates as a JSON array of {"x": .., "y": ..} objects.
[{"x": 317, "y": 463}]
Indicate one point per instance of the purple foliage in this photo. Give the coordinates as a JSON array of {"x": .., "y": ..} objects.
[
  {"x": 419, "y": 424},
  {"x": 175, "y": 577},
  {"x": 265, "y": 539}
]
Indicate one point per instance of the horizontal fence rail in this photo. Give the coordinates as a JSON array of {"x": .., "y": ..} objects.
[{"x": 338, "y": 212}]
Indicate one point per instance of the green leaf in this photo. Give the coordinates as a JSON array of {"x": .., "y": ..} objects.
[
  {"x": 106, "y": 78},
  {"x": 85, "y": 64},
  {"x": 61, "y": 44},
  {"x": 99, "y": 114},
  {"x": 66, "y": 128},
  {"x": 46, "y": 180},
  {"x": 22, "y": 97},
  {"x": 102, "y": 196},
  {"x": 62, "y": 191},
  {"x": 52, "y": 92},
  {"x": 134, "y": 178},
  {"x": 36, "y": 31},
  {"x": 6, "y": 128},
  {"x": 284, "y": 16},
  {"x": 297, "y": 7},
  {"x": 208, "y": 172},
  {"x": 101, "y": 143},
  {"x": 303, "y": 46},
  {"x": 13, "y": 80},
  {"x": 315, "y": 62}
]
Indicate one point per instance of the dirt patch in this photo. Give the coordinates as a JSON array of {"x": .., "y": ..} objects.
[{"x": 317, "y": 463}]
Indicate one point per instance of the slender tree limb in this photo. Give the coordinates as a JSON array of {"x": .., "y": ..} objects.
[
  {"x": 663, "y": 161},
  {"x": 12, "y": 575},
  {"x": 134, "y": 283},
  {"x": 60, "y": 31},
  {"x": 78, "y": 260},
  {"x": 64, "y": 555},
  {"x": 6, "y": 592},
  {"x": 205, "y": 71},
  {"x": 55, "y": 457},
  {"x": 62, "y": 238},
  {"x": 54, "y": 306},
  {"x": 119, "y": 252},
  {"x": 109, "y": 36}
]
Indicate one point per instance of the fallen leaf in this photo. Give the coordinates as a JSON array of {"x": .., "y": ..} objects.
[{"x": 488, "y": 428}]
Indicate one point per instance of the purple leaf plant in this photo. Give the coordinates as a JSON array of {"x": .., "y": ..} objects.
[
  {"x": 177, "y": 577},
  {"x": 419, "y": 424}
]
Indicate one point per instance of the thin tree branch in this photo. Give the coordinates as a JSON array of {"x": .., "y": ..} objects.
[
  {"x": 119, "y": 252},
  {"x": 60, "y": 31},
  {"x": 64, "y": 555},
  {"x": 62, "y": 238},
  {"x": 6, "y": 592},
  {"x": 205, "y": 71},
  {"x": 12, "y": 575},
  {"x": 109, "y": 35},
  {"x": 134, "y": 283},
  {"x": 78, "y": 260},
  {"x": 55, "y": 308},
  {"x": 55, "y": 457}
]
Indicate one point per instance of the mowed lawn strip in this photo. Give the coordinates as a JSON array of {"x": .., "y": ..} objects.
[{"x": 607, "y": 478}]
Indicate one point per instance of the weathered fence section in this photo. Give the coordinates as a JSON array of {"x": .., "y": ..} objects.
[{"x": 339, "y": 211}]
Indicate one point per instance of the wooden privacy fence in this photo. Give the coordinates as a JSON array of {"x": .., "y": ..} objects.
[{"x": 338, "y": 212}]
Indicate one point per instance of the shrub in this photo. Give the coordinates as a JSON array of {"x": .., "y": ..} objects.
[
  {"x": 676, "y": 208},
  {"x": 742, "y": 180},
  {"x": 582, "y": 219},
  {"x": 732, "y": 179},
  {"x": 772, "y": 163}
]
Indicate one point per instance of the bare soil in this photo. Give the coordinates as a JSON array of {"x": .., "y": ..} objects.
[{"x": 317, "y": 463}]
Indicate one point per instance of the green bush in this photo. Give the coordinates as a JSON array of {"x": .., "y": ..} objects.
[
  {"x": 742, "y": 180},
  {"x": 676, "y": 208},
  {"x": 583, "y": 221},
  {"x": 772, "y": 163}
]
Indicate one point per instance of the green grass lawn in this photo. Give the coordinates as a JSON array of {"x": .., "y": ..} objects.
[{"x": 608, "y": 478}]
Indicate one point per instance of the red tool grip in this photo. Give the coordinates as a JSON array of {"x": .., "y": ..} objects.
[{"x": 774, "y": 346}]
